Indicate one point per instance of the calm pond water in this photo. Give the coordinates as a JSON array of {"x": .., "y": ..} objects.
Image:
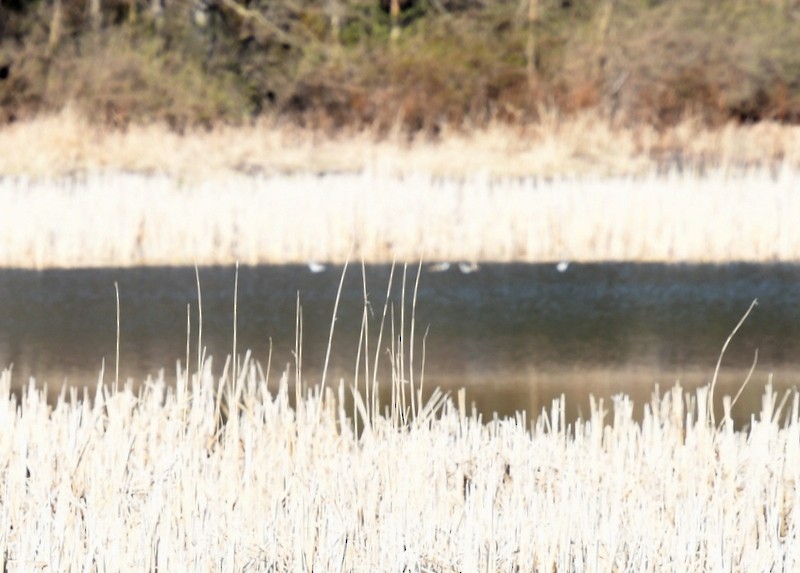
[{"x": 516, "y": 336}]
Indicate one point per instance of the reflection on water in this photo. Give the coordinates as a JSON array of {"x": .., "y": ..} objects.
[{"x": 515, "y": 335}]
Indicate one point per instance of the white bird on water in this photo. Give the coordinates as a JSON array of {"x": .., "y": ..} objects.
[
  {"x": 439, "y": 267},
  {"x": 315, "y": 267},
  {"x": 562, "y": 266},
  {"x": 467, "y": 268}
]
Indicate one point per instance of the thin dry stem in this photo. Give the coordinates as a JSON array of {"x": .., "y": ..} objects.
[{"x": 719, "y": 361}]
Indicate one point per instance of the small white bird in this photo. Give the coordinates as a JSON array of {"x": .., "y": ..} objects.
[
  {"x": 562, "y": 266},
  {"x": 439, "y": 267},
  {"x": 467, "y": 268},
  {"x": 315, "y": 267}
]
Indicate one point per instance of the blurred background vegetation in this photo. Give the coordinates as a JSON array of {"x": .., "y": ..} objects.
[{"x": 417, "y": 65}]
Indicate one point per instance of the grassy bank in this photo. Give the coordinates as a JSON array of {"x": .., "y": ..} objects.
[
  {"x": 153, "y": 481},
  {"x": 126, "y": 220}
]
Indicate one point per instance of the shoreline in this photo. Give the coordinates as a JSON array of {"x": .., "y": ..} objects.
[{"x": 577, "y": 190}]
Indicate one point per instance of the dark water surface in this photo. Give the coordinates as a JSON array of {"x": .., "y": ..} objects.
[{"x": 516, "y": 336}]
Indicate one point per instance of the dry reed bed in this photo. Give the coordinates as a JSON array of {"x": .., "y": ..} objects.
[
  {"x": 125, "y": 220},
  {"x": 150, "y": 482},
  {"x": 586, "y": 145}
]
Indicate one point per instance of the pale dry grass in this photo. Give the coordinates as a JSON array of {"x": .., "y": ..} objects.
[
  {"x": 125, "y": 220},
  {"x": 148, "y": 481},
  {"x": 579, "y": 189},
  {"x": 234, "y": 474},
  {"x": 585, "y": 145}
]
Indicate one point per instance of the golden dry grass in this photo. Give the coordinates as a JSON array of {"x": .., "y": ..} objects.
[
  {"x": 585, "y": 145},
  {"x": 148, "y": 481}
]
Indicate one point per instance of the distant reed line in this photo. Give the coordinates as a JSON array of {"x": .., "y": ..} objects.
[
  {"x": 127, "y": 220},
  {"x": 151, "y": 481}
]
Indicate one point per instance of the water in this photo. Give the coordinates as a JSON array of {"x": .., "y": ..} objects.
[{"x": 516, "y": 336}]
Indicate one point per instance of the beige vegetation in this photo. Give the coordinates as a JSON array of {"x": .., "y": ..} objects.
[
  {"x": 65, "y": 144},
  {"x": 152, "y": 481},
  {"x": 119, "y": 219},
  {"x": 583, "y": 189}
]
